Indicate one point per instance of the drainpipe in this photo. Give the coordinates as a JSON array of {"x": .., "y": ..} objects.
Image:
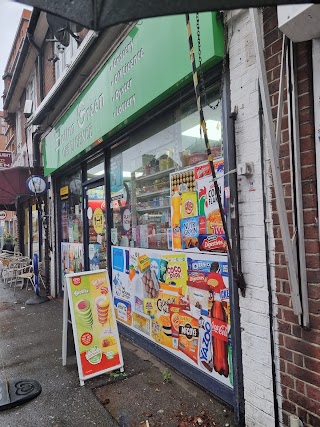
[
  {"x": 40, "y": 64},
  {"x": 36, "y": 136},
  {"x": 270, "y": 299}
]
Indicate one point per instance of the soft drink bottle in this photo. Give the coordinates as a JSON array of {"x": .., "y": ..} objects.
[
  {"x": 175, "y": 220},
  {"x": 220, "y": 337}
]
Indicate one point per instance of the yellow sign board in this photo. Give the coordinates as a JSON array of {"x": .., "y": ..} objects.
[{"x": 98, "y": 220}]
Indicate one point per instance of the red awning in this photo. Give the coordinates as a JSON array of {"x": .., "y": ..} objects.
[{"x": 13, "y": 184}]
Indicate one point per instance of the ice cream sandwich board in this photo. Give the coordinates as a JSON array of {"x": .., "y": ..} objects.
[{"x": 94, "y": 325}]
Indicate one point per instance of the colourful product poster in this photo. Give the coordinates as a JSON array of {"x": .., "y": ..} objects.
[
  {"x": 122, "y": 287},
  {"x": 179, "y": 301},
  {"x": 71, "y": 258},
  {"x": 94, "y": 256},
  {"x": 94, "y": 324},
  {"x": 195, "y": 215}
]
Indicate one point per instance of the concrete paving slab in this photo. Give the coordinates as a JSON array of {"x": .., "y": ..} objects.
[{"x": 30, "y": 347}]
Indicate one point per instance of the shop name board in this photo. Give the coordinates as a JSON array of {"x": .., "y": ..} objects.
[
  {"x": 151, "y": 63},
  {"x": 5, "y": 159}
]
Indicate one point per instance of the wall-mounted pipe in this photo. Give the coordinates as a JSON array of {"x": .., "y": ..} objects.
[{"x": 270, "y": 294}]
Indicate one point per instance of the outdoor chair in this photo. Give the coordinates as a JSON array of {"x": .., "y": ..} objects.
[
  {"x": 9, "y": 273},
  {"x": 27, "y": 273}
]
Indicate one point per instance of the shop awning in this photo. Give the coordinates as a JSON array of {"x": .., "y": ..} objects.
[
  {"x": 12, "y": 185},
  {"x": 99, "y": 14}
]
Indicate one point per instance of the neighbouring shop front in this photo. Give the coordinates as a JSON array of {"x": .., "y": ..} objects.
[{"x": 134, "y": 194}]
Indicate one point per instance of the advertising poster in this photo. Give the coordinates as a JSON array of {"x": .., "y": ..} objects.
[
  {"x": 116, "y": 178},
  {"x": 122, "y": 287},
  {"x": 94, "y": 324},
  {"x": 179, "y": 301},
  {"x": 71, "y": 257},
  {"x": 195, "y": 216},
  {"x": 94, "y": 256}
]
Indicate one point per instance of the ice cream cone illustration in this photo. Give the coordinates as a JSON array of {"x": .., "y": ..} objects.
[{"x": 102, "y": 306}]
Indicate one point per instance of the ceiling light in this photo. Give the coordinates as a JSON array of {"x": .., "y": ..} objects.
[
  {"x": 213, "y": 130},
  {"x": 99, "y": 173}
]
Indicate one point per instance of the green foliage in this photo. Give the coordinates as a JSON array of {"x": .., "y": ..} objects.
[{"x": 166, "y": 376}]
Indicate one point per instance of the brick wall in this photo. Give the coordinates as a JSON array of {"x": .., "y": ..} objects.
[
  {"x": 254, "y": 308},
  {"x": 299, "y": 349},
  {"x": 48, "y": 66}
]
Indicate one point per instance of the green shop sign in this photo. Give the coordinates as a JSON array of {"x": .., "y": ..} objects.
[{"x": 150, "y": 64}]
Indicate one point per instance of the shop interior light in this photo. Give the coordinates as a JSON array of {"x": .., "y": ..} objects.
[
  {"x": 213, "y": 130},
  {"x": 127, "y": 174},
  {"x": 99, "y": 173}
]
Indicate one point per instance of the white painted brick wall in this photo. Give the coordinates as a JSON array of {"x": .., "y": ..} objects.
[{"x": 254, "y": 308}]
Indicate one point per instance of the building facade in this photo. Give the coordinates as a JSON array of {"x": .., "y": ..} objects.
[{"x": 115, "y": 120}]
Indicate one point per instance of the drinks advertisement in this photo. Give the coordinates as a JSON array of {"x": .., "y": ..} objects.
[
  {"x": 94, "y": 324},
  {"x": 71, "y": 257},
  {"x": 195, "y": 217},
  {"x": 179, "y": 301}
]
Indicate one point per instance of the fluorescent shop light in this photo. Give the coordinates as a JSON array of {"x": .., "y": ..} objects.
[{"x": 213, "y": 130}]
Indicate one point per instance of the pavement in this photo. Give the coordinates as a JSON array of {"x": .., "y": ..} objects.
[{"x": 148, "y": 393}]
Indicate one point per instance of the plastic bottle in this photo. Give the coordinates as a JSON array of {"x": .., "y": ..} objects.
[
  {"x": 175, "y": 220},
  {"x": 220, "y": 337}
]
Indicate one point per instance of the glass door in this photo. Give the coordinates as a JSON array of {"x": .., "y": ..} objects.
[{"x": 96, "y": 227}]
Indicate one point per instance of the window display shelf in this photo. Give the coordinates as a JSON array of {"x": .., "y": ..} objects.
[
  {"x": 153, "y": 193},
  {"x": 159, "y": 208},
  {"x": 155, "y": 175}
]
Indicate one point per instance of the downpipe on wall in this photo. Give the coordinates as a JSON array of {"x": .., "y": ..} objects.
[{"x": 266, "y": 238}]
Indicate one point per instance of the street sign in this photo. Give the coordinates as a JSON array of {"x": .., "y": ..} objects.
[
  {"x": 37, "y": 184},
  {"x": 3, "y": 215},
  {"x": 5, "y": 159}
]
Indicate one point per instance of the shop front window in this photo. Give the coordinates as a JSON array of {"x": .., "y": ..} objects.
[
  {"x": 71, "y": 223},
  {"x": 151, "y": 167},
  {"x": 170, "y": 272}
]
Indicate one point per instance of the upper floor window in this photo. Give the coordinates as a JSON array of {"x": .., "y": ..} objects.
[
  {"x": 3, "y": 126},
  {"x": 65, "y": 54},
  {"x": 31, "y": 90}
]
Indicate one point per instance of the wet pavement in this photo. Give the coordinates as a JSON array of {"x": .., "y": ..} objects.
[{"x": 148, "y": 394}]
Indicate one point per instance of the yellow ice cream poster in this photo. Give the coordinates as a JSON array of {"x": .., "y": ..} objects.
[{"x": 94, "y": 324}]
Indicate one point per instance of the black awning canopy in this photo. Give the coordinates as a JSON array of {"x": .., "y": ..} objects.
[
  {"x": 12, "y": 185},
  {"x": 99, "y": 14}
]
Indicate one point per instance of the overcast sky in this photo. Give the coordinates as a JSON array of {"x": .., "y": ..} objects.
[{"x": 10, "y": 14}]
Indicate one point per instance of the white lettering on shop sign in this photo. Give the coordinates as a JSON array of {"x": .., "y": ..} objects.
[
  {"x": 123, "y": 53},
  {"x": 120, "y": 74},
  {"x": 66, "y": 137},
  {"x": 84, "y": 113}
]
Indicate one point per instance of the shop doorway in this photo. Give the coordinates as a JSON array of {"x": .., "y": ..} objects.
[{"x": 95, "y": 226}]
